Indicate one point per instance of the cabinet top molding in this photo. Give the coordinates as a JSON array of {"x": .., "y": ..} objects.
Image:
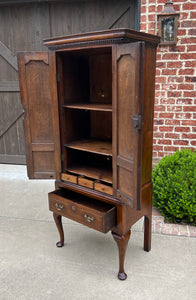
[{"x": 111, "y": 36}]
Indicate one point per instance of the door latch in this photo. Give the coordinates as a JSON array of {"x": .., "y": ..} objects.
[{"x": 137, "y": 122}]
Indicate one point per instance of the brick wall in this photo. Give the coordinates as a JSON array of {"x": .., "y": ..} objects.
[{"x": 175, "y": 93}]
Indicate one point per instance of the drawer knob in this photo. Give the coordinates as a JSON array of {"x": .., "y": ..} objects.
[
  {"x": 73, "y": 207},
  {"x": 59, "y": 206},
  {"x": 88, "y": 218}
]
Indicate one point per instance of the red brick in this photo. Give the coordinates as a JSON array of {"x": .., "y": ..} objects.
[
  {"x": 190, "y": 78},
  {"x": 161, "y": 79},
  {"x": 158, "y": 134},
  {"x": 174, "y": 108},
  {"x": 189, "y": 6},
  {"x": 174, "y": 229},
  {"x": 158, "y": 122},
  {"x": 178, "y": 48},
  {"x": 143, "y": 9},
  {"x": 174, "y": 64},
  {"x": 151, "y": 25},
  {"x": 192, "y": 230},
  {"x": 157, "y": 148},
  {"x": 167, "y": 101},
  {"x": 172, "y": 135},
  {"x": 183, "y": 116},
  {"x": 193, "y": 129},
  {"x": 186, "y": 72},
  {"x": 191, "y": 40},
  {"x": 191, "y": 48},
  {"x": 193, "y": 143},
  {"x": 161, "y": 64},
  {"x": 189, "y": 108},
  {"x": 143, "y": 26},
  {"x": 183, "y": 230},
  {"x": 189, "y": 23},
  {"x": 170, "y": 56},
  {"x": 184, "y": 101},
  {"x": 188, "y": 56},
  {"x": 166, "y": 128},
  {"x": 190, "y": 136},
  {"x": 158, "y": 72},
  {"x": 151, "y": 18},
  {"x": 161, "y": 154},
  {"x": 151, "y": 8},
  {"x": 143, "y": 18},
  {"x": 189, "y": 122},
  {"x": 182, "y": 129},
  {"x": 170, "y": 148},
  {"x": 181, "y": 32},
  {"x": 181, "y": 142},
  {"x": 169, "y": 71},
  {"x": 166, "y": 228},
  {"x": 190, "y": 64},
  {"x": 193, "y": 15},
  {"x": 143, "y": 2},
  {"x": 172, "y": 79},
  {"x": 173, "y": 94},
  {"x": 159, "y": 108},
  {"x": 192, "y": 32},
  {"x": 172, "y": 122},
  {"x": 189, "y": 94},
  {"x": 166, "y": 115},
  {"x": 164, "y": 142},
  {"x": 159, "y": 8},
  {"x": 186, "y": 86}
]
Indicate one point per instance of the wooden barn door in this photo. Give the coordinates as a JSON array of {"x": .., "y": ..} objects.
[{"x": 23, "y": 27}]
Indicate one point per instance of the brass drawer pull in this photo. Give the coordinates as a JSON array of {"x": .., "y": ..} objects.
[
  {"x": 88, "y": 218},
  {"x": 59, "y": 206}
]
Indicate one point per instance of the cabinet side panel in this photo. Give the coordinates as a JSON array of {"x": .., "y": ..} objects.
[{"x": 148, "y": 112}]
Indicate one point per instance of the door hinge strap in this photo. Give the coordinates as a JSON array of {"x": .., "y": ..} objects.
[{"x": 137, "y": 122}]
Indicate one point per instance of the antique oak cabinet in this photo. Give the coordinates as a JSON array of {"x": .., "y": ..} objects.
[{"x": 88, "y": 124}]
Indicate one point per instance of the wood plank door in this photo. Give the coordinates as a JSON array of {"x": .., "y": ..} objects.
[
  {"x": 127, "y": 120},
  {"x": 37, "y": 77}
]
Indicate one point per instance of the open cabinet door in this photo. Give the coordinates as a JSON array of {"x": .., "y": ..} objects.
[
  {"x": 128, "y": 61},
  {"x": 37, "y": 77}
]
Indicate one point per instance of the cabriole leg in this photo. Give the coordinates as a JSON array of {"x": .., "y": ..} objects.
[
  {"x": 122, "y": 241},
  {"x": 58, "y": 221},
  {"x": 147, "y": 232}
]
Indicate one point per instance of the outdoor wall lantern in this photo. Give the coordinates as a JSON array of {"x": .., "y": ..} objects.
[{"x": 168, "y": 24}]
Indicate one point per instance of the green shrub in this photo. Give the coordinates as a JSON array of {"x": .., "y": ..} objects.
[{"x": 174, "y": 187}]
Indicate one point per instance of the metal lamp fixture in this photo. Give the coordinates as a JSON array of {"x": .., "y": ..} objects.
[{"x": 168, "y": 24}]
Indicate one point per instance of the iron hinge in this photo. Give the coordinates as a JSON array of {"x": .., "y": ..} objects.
[
  {"x": 62, "y": 157},
  {"x": 137, "y": 122}
]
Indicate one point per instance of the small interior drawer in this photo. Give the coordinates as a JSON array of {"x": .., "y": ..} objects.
[
  {"x": 68, "y": 177},
  {"x": 85, "y": 210},
  {"x": 85, "y": 182},
  {"x": 103, "y": 188}
]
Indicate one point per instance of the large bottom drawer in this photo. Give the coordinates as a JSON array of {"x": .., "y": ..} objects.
[{"x": 85, "y": 210}]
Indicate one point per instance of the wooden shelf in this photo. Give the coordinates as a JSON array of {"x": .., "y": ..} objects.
[
  {"x": 90, "y": 106},
  {"x": 93, "y": 146},
  {"x": 92, "y": 172}
]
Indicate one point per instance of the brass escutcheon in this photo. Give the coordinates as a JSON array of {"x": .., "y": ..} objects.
[
  {"x": 59, "y": 206},
  {"x": 88, "y": 218}
]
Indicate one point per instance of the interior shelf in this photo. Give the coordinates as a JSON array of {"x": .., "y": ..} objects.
[
  {"x": 92, "y": 172},
  {"x": 90, "y": 106},
  {"x": 93, "y": 146}
]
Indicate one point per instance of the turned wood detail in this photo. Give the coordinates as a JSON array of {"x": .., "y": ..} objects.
[
  {"x": 122, "y": 242},
  {"x": 58, "y": 221},
  {"x": 147, "y": 232}
]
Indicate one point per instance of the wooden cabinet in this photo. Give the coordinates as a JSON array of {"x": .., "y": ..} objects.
[{"x": 88, "y": 123}]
